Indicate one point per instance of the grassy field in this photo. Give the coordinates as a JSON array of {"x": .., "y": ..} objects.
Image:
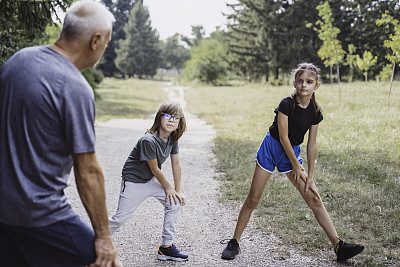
[
  {"x": 132, "y": 98},
  {"x": 358, "y": 162},
  {"x": 357, "y": 169}
]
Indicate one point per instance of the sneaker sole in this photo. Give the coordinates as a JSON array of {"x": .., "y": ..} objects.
[
  {"x": 228, "y": 258},
  {"x": 169, "y": 258}
]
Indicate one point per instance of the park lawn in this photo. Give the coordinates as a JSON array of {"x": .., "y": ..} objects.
[
  {"x": 131, "y": 98},
  {"x": 357, "y": 169}
]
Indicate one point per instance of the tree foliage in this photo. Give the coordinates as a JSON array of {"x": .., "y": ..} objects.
[
  {"x": 331, "y": 51},
  {"x": 120, "y": 9},
  {"x": 174, "y": 53},
  {"x": 139, "y": 53},
  {"x": 23, "y": 23},
  {"x": 208, "y": 63},
  {"x": 268, "y": 38},
  {"x": 366, "y": 62}
]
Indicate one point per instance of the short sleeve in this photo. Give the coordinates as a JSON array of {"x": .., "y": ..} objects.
[
  {"x": 147, "y": 150},
  {"x": 317, "y": 118},
  {"x": 79, "y": 117},
  {"x": 175, "y": 149},
  {"x": 285, "y": 106}
]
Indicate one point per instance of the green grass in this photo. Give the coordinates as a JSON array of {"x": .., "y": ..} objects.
[
  {"x": 131, "y": 98},
  {"x": 357, "y": 169}
]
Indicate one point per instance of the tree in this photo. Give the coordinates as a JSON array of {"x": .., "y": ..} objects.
[
  {"x": 270, "y": 37},
  {"x": 23, "y": 23},
  {"x": 351, "y": 60},
  {"x": 174, "y": 54},
  {"x": 120, "y": 9},
  {"x": 366, "y": 62},
  {"x": 331, "y": 51},
  {"x": 139, "y": 53},
  {"x": 393, "y": 43},
  {"x": 207, "y": 63}
]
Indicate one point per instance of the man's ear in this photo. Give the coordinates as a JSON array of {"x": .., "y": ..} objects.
[{"x": 95, "y": 41}]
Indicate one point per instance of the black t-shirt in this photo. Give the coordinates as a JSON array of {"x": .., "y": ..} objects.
[{"x": 299, "y": 119}]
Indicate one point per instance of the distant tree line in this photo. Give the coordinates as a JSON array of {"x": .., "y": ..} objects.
[
  {"x": 264, "y": 39},
  {"x": 268, "y": 38}
]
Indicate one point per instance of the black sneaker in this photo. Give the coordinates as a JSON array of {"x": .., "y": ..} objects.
[
  {"x": 231, "y": 250},
  {"x": 171, "y": 253},
  {"x": 346, "y": 251}
]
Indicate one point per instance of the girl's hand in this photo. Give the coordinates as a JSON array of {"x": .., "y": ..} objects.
[
  {"x": 298, "y": 173},
  {"x": 310, "y": 185}
]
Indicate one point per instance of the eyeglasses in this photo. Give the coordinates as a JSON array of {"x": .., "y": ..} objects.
[{"x": 169, "y": 117}]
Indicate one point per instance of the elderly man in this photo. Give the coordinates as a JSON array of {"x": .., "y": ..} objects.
[{"x": 47, "y": 126}]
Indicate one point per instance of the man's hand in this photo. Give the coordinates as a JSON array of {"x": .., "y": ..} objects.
[{"x": 107, "y": 256}]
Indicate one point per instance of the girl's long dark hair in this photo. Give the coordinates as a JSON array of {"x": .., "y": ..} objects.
[
  {"x": 302, "y": 67},
  {"x": 172, "y": 108}
]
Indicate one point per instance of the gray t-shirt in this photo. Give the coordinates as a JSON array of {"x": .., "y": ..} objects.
[
  {"x": 46, "y": 114},
  {"x": 150, "y": 146}
]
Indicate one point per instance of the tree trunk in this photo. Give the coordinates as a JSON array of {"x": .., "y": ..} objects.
[
  {"x": 391, "y": 82},
  {"x": 338, "y": 79}
]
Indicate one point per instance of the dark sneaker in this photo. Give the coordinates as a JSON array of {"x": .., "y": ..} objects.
[
  {"x": 231, "y": 250},
  {"x": 171, "y": 253},
  {"x": 346, "y": 251}
]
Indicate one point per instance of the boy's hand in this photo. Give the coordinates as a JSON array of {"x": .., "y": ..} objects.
[
  {"x": 182, "y": 198},
  {"x": 170, "y": 194}
]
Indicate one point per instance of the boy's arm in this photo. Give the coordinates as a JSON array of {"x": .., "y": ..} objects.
[
  {"x": 170, "y": 191},
  {"x": 176, "y": 172}
]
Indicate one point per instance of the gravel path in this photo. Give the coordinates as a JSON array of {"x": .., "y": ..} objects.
[{"x": 203, "y": 222}]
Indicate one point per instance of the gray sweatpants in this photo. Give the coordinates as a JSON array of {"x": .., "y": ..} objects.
[{"x": 133, "y": 194}]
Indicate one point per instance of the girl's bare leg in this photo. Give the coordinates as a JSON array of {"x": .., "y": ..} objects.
[
  {"x": 318, "y": 208},
  {"x": 260, "y": 179}
]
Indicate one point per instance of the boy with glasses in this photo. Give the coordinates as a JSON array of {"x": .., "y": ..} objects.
[{"x": 142, "y": 176}]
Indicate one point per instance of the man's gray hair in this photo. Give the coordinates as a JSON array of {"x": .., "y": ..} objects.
[{"x": 85, "y": 17}]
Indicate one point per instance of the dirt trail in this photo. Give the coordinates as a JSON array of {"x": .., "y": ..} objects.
[{"x": 203, "y": 222}]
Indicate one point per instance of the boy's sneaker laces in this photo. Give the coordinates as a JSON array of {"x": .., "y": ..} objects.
[
  {"x": 345, "y": 251},
  {"x": 231, "y": 250}
]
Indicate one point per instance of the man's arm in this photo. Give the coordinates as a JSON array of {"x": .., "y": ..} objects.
[{"x": 90, "y": 183}]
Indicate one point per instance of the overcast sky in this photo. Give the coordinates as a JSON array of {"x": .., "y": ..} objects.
[{"x": 177, "y": 16}]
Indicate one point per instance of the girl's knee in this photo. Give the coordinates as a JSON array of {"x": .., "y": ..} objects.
[
  {"x": 314, "y": 202},
  {"x": 252, "y": 202}
]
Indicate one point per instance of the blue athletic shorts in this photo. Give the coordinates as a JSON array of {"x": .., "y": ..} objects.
[
  {"x": 271, "y": 155},
  {"x": 68, "y": 242}
]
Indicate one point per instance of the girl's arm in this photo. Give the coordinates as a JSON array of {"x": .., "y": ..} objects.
[
  {"x": 297, "y": 171},
  {"x": 283, "y": 128},
  {"x": 311, "y": 155},
  {"x": 176, "y": 172},
  {"x": 169, "y": 190}
]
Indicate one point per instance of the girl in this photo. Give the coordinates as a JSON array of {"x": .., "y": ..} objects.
[
  {"x": 295, "y": 115},
  {"x": 142, "y": 176}
]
